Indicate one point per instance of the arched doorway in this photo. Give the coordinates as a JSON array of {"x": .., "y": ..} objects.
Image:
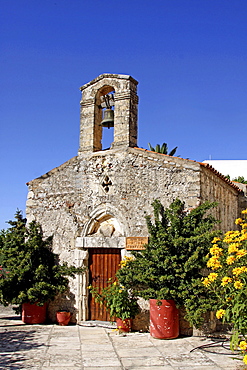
[{"x": 104, "y": 241}]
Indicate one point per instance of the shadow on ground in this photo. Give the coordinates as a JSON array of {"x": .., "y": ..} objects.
[{"x": 14, "y": 343}]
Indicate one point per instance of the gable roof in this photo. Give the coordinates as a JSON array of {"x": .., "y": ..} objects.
[
  {"x": 206, "y": 165},
  {"x": 149, "y": 154},
  {"x": 217, "y": 173}
]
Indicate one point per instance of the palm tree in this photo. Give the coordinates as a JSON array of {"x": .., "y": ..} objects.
[{"x": 163, "y": 149}]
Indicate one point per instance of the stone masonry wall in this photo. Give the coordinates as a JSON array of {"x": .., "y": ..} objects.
[
  {"x": 123, "y": 183},
  {"x": 214, "y": 188},
  {"x": 64, "y": 199}
]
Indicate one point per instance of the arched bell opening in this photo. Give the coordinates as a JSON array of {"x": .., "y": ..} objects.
[
  {"x": 107, "y": 138},
  {"x": 124, "y": 132},
  {"x": 104, "y": 117}
]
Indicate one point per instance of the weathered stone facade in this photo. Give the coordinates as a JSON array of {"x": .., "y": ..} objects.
[{"x": 100, "y": 197}]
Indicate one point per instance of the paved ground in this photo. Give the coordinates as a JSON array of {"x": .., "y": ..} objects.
[{"x": 77, "y": 347}]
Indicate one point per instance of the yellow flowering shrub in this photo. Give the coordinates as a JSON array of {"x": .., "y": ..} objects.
[
  {"x": 125, "y": 261},
  {"x": 233, "y": 247},
  {"x": 212, "y": 276},
  {"x": 238, "y": 284},
  {"x": 227, "y": 280},
  {"x": 243, "y": 345},
  {"x": 239, "y": 270},
  {"x": 230, "y": 260},
  {"x": 206, "y": 281},
  {"x": 245, "y": 359},
  {"x": 216, "y": 251},
  {"x": 213, "y": 263},
  {"x": 241, "y": 253},
  {"x": 220, "y": 313},
  {"x": 238, "y": 221}
]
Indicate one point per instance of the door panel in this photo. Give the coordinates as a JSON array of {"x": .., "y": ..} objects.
[{"x": 103, "y": 264}]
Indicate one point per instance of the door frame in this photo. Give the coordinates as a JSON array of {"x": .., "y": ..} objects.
[{"x": 103, "y": 265}]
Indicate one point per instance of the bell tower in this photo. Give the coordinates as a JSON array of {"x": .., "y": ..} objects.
[{"x": 121, "y": 93}]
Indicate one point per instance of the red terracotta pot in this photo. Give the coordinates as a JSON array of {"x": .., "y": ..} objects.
[
  {"x": 33, "y": 314},
  {"x": 63, "y": 317},
  {"x": 124, "y": 325},
  {"x": 164, "y": 319}
]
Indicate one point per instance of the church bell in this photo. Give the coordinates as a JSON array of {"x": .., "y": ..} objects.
[{"x": 108, "y": 120}]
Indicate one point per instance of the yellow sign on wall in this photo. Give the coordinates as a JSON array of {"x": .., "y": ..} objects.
[{"x": 136, "y": 243}]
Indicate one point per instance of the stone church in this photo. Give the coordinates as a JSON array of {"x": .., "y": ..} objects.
[{"x": 94, "y": 204}]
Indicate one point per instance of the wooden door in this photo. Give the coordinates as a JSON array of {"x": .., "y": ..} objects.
[{"x": 103, "y": 264}]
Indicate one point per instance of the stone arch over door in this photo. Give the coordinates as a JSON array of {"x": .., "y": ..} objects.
[{"x": 106, "y": 214}]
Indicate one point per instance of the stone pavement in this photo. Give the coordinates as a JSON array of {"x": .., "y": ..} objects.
[{"x": 78, "y": 347}]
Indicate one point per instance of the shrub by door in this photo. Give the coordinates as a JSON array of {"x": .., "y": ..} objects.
[{"x": 103, "y": 264}]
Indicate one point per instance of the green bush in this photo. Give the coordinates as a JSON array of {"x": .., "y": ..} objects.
[
  {"x": 170, "y": 267},
  {"x": 118, "y": 301},
  {"x": 34, "y": 273}
]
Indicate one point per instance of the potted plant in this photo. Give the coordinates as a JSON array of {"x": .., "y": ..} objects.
[
  {"x": 168, "y": 271},
  {"x": 122, "y": 305},
  {"x": 63, "y": 317},
  {"x": 35, "y": 277}
]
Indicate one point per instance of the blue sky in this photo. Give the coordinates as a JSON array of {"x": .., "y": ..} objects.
[{"x": 189, "y": 57}]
